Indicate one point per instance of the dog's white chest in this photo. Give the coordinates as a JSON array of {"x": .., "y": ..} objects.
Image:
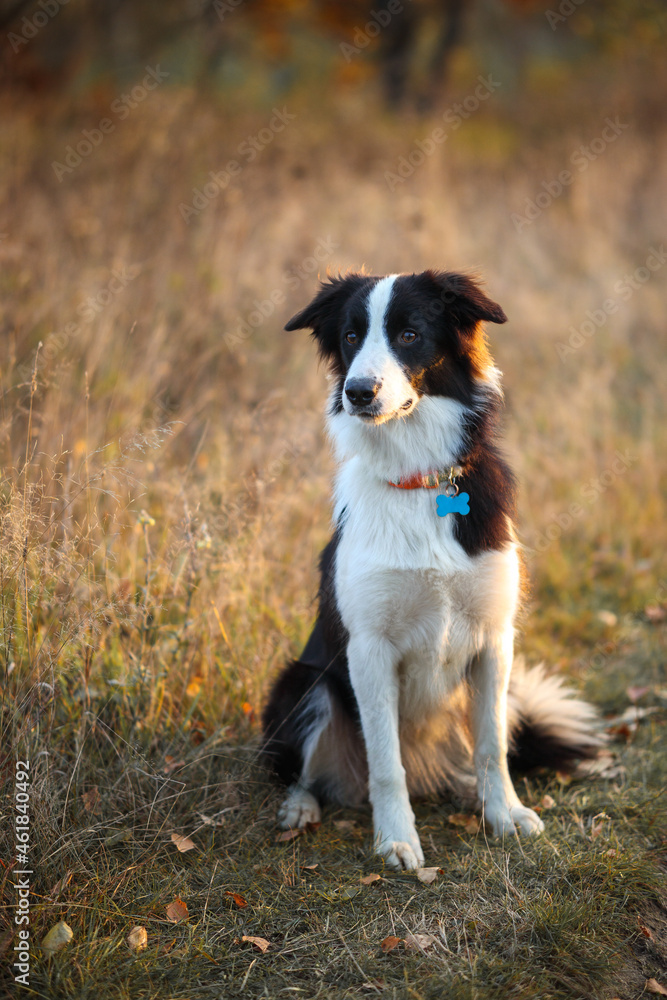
[{"x": 401, "y": 576}]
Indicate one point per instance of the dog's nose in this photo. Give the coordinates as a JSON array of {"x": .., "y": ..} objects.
[{"x": 362, "y": 391}]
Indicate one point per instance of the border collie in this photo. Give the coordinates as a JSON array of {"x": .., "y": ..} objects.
[{"x": 408, "y": 685}]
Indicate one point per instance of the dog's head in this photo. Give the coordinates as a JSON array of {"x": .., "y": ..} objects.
[{"x": 392, "y": 340}]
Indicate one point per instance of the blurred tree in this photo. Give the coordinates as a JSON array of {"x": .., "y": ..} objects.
[{"x": 407, "y": 44}]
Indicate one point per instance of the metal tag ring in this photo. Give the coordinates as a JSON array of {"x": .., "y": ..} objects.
[{"x": 451, "y": 490}]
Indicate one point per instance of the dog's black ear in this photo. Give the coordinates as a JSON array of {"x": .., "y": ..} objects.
[
  {"x": 463, "y": 297},
  {"x": 322, "y": 314}
]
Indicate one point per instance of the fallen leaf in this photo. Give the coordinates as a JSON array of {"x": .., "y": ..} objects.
[
  {"x": 458, "y": 819},
  {"x": 635, "y": 693},
  {"x": 288, "y": 835},
  {"x": 624, "y": 732},
  {"x": 646, "y": 931},
  {"x": 389, "y": 943},
  {"x": 563, "y": 777},
  {"x": 655, "y": 613},
  {"x": 611, "y": 853},
  {"x": 654, "y": 987},
  {"x": 311, "y": 868},
  {"x": 137, "y": 939},
  {"x": 91, "y": 799},
  {"x": 258, "y": 942},
  {"x": 59, "y": 935},
  {"x": 183, "y": 844},
  {"x": 369, "y": 879},
  {"x": 630, "y": 717},
  {"x": 344, "y": 824},
  {"x": 117, "y": 837},
  {"x": 348, "y": 892},
  {"x": 238, "y": 899},
  {"x": 419, "y": 942},
  {"x": 607, "y": 618},
  {"x": 548, "y": 802},
  {"x": 597, "y": 824},
  {"x": 217, "y": 820},
  {"x": 468, "y": 822},
  {"x": 177, "y": 911},
  {"x": 428, "y": 875}
]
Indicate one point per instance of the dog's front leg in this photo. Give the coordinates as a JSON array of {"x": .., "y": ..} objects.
[
  {"x": 373, "y": 667},
  {"x": 490, "y": 676}
]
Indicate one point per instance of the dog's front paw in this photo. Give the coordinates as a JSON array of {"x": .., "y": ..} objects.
[
  {"x": 401, "y": 847},
  {"x": 299, "y": 809},
  {"x": 504, "y": 820},
  {"x": 527, "y": 820},
  {"x": 401, "y": 855}
]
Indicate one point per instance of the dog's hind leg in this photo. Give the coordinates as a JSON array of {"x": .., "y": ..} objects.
[
  {"x": 301, "y": 806},
  {"x": 297, "y": 713},
  {"x": 299, "y": 809},
  {"x": 314, "y": 745}
]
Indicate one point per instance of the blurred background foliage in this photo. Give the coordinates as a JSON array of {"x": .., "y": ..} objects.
[{"x": 264, "y": 50}]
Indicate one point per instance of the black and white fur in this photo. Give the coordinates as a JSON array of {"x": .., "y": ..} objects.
[{"x": 404, "y": 686}]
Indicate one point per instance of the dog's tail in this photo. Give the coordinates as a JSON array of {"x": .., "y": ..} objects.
[{"x": 548, "y": 725}]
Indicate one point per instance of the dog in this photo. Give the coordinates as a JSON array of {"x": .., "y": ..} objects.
[{"x": 408, "y": 685}]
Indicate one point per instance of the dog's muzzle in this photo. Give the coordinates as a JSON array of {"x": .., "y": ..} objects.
[{"x": 362, "y": 391}]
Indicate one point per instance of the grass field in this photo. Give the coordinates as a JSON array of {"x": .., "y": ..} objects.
[{"x": 164, "y": 495}]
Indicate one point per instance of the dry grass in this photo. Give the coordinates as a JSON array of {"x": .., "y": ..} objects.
[{"x": 164, "y": 496}]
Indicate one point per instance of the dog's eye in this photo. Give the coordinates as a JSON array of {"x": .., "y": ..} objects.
[
  {"x": 351, "y": 337},
  {"x": 408, "y": 337}
]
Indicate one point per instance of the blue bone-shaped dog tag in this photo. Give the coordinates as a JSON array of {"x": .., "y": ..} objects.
[{"x": 453, "y": 505}]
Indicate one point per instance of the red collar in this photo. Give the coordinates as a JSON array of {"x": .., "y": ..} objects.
[{"x": 428, "y": 480}]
